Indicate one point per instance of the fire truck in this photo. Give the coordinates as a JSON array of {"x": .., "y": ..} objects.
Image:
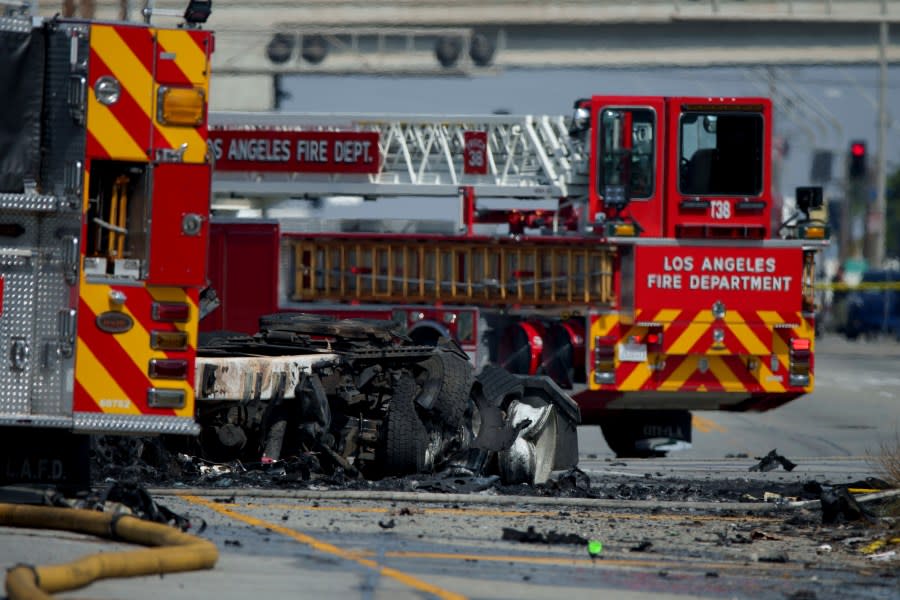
[
  {"x": 634, "y": 252},
  {"x": 104, "y": 224}
]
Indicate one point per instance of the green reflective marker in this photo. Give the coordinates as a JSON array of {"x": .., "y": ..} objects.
[{"x": 595, "y": 547}]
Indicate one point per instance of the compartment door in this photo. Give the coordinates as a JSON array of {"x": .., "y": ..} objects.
[{"x": 179, "y": 224}]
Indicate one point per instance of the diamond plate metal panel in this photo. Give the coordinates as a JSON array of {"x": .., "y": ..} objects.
[
  {"x": 53, "y": 365},
  {"x": 35, "y": 421},
  {"x": 35, "y": 364},
  {"x": 28, "y": 203},
  {"x": 103, "y": 423},
  {"x": 15, "y": 24},
  {"x": 18, "y": 270}
]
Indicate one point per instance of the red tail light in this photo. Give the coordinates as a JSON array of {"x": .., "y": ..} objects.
[
  {"x": 800, "y": 344},
  {"x": 163, "y": 368},
  {"x": 171, "y": 312}
]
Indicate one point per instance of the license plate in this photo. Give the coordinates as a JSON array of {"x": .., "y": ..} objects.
[{"x": 632, "y": 352}]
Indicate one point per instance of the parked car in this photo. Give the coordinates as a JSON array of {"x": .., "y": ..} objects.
[{"x": 874, "y": 307}]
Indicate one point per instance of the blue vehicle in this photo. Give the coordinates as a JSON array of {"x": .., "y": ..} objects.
[{"x": 874, "y": 307}]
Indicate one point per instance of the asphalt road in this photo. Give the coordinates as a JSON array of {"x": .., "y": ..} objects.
[{"x": 664, "y": 532}]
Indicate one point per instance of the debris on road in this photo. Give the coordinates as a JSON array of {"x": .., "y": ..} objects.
[
  {"x": 771, "y": 461},
  {"x": 644, "y": 546},
  {"x": 358, "y": 397},
  {"x": 532, "y": 536}
]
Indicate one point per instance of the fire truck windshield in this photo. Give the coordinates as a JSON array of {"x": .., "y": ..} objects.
[{"x": 721, "y": 153}]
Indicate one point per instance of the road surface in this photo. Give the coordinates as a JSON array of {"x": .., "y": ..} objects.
[{"x": 692, "y": 525}]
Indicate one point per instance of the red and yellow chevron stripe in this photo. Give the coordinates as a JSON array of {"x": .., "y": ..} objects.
[
  {"x": 743, "y": 352},
  {"x": 111, "y": 370},
  {"x": 142, "y": 59}
]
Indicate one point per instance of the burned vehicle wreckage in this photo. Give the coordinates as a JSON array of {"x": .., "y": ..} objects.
[{"x": 363, "y": 398}]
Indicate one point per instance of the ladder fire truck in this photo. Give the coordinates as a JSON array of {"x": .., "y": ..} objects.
[
  {"x": 645, "y": 267},
  {"x": 104, "y": 220}
]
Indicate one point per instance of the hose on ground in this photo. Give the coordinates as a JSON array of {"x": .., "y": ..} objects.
[{"x": 174, "y": 550}]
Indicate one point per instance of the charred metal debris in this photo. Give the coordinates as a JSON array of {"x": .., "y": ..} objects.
[{"x": 356, "y": 399}]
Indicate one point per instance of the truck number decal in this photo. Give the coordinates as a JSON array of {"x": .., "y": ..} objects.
[{"x": 721, "y": 209}]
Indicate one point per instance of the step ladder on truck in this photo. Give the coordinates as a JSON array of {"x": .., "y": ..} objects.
[{"x": 632, "y": 252}]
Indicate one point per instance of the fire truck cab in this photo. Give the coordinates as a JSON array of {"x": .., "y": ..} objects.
[{"x": 663, "y": 280}]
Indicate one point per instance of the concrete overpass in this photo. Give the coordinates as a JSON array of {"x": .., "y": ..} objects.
[
  {"x": 477, "y": 37},
  {"x": 400, "y": 36}
]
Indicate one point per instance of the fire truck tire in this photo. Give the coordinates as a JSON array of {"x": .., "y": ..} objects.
[
  {"x": 454, "y": 375},
  {"x": 623, "y": 443},
  {"x": 405, "y": 438}
]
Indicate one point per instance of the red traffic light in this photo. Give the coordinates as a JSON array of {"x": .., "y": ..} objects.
[{"x": 858, "y": 149}]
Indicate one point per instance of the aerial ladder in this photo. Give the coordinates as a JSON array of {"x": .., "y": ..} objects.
[{"x": 479, "y": 157}]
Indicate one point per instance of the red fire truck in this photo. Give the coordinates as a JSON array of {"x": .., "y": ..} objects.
[
  {"x": 104, "y": 197},
  {"x": 645, "y": 266}
]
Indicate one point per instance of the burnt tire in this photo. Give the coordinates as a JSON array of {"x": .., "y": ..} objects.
[
  {"x": 404, "y": 436},
  {"x": 452, "y": 375}
]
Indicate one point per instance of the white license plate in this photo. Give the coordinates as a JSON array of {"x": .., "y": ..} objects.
[{"x": 632, "y": 352}]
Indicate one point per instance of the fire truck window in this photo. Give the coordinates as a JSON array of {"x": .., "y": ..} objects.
[
  {"x": 721, "y": 153},
  {"x": 618, "y": 165}
]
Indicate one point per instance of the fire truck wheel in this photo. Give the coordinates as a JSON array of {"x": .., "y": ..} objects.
[
  {"x": 452, "y": 375},
  {"x": 404, "y": 436},
  {"x": 624, "y": 445}
]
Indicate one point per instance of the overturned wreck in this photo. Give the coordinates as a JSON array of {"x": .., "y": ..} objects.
[{"x": 365, "y": 399}]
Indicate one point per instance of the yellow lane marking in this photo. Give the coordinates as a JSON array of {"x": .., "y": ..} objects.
[
  {"x": 327, "y": 548},
  {"x": 478, "y": 512},
  {"x": 706, "y": 425}
]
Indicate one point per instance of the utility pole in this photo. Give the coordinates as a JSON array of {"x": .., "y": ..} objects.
[{"x": 879, "y": 211}]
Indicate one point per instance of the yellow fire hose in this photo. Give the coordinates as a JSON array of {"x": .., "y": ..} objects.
[{"x": 176, "y": 551}]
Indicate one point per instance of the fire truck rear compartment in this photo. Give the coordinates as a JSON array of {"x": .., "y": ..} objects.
[{"x": 117, "y": 218}]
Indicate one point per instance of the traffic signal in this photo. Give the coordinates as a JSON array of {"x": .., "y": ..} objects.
[{"x": 857, "y": 166}]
